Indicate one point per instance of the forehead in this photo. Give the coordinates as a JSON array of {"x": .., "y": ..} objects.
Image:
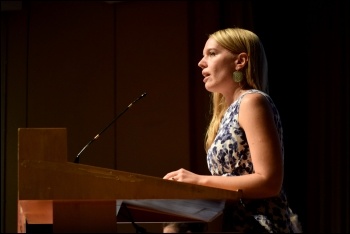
[{"x": 212, "y": 44}]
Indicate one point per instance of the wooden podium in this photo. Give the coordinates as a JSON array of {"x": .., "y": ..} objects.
[{"x": 81, "y": 198}]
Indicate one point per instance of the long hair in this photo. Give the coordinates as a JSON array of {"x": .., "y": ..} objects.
[{"x": 238, "y": 40}]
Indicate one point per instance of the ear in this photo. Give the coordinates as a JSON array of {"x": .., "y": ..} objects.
[{"x": 241, "y": 61}]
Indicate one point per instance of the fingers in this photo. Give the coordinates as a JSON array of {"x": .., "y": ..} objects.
[
  {"x": 175, "y": 175},
  {"x": 170, "y": 176}
]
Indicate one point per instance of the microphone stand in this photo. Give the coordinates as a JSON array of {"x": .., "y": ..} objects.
[
  {"x": 77, "y": 158},
  {"x": 138, "y": 228}
]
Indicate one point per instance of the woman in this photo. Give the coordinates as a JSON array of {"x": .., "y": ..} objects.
[{"x": 244, "y": 140}]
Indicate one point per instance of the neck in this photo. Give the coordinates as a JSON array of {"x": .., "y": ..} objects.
[{"x": 234, "y": 96}]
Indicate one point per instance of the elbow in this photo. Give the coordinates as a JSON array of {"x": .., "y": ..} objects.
[
  {"x": 275, "y": 191},
  {"x": 273, "y": 183},
  {"x": 264, "y": 190},
  {"x": 268, "y": 191},
  {"x": 273, "y": 187},
  {"x": 270, "y": 186}
]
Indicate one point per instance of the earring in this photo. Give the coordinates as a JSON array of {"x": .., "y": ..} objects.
[{"x": 237, "y": 76}]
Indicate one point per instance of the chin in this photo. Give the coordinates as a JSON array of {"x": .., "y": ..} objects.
[{"x": 209, "y": 87}]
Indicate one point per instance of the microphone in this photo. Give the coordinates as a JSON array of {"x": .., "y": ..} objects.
[{"x": 77, "y": 158}]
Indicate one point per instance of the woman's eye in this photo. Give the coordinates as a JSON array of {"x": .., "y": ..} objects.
[{"x": 211, "y": 53}]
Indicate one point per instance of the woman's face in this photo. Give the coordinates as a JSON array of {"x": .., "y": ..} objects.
[{"x": 217, "y": 65}]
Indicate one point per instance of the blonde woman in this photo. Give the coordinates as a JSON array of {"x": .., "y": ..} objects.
[{"x": 244, "y": 140}]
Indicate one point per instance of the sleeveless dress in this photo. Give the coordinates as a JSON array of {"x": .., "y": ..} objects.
[{"x": 229, "y": 155}]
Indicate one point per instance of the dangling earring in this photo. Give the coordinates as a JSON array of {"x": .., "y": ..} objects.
[{"x": 237, "y": 76}]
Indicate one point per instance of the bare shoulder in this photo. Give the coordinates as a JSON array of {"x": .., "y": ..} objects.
[
  {"x": 254, "y": 106},
  {"x": 254, "y": 100}
]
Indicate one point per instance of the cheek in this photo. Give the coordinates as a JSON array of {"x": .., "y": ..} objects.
[
  {"x": 223, "y": 69},
  {"x": 223, "y": 74}
]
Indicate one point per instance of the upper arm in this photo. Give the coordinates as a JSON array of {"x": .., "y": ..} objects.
[{"x": 257, "y": 120}]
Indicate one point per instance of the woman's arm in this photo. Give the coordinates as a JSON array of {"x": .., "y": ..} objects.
[{"x": 256, "y": 118}]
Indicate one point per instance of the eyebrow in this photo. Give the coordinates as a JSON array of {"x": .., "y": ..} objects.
[{"x": 209, "y": 49}]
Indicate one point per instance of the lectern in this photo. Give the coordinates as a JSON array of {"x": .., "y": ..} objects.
[{"x": 78, "y": 198}]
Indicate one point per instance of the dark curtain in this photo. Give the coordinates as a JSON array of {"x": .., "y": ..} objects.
[
  {"x": 328, "y": 116},
  {"x": 307, "y": 44}
]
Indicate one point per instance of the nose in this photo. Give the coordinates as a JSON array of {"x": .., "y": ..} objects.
[{"x": 201, "y": 63}]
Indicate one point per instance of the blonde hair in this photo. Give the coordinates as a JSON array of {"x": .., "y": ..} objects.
[{"x": 238, "y": 40}]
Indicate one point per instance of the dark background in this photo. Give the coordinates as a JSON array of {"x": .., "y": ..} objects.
[{"x": 136, "y": 46}]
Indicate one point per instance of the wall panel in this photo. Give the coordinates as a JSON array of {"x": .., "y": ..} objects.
[
  {"x": 152, "y": 56},
  {"x": 71, "y": 74}
]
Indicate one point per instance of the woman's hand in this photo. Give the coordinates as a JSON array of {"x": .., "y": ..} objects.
[{"x": 183, "y": 175}]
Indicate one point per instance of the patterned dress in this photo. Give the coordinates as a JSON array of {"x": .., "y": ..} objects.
[{"x": 229, "y": 155}]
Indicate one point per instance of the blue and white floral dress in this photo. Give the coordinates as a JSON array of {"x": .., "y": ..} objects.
[{"x": 229, "y": 155}]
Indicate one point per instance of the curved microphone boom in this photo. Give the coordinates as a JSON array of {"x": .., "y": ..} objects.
[{"x": 77, "y": 158}]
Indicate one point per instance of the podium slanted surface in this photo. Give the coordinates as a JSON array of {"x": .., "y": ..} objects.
[{"x": 82, "y": 198}]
